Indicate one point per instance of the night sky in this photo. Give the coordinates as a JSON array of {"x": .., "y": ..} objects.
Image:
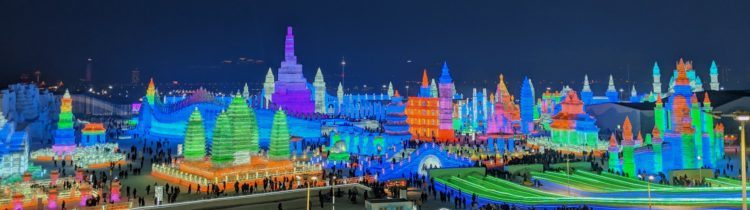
[{"x": 550, "y": 41}]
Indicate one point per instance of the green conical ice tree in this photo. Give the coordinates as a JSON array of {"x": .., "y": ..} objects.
[
  {"x": 244, "y": 126},
  {"x": 278, "y": 148},
  {"x": 195, "y": 137},
  {"x": 222, "y": 148}
]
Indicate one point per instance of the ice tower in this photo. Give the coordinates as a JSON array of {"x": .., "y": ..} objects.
[
  {"x": 424, "y": 90},
  {"x": 195, "y": 137},
  {"x": 268, "y": 87},
  {"x": 527, "y": 107},
  {"x": 628, "y": 147},
  {"x": 657, "y": 79},
  {"x": 320, "y": 92},
  {"x": 506, "y": 111},
  {"x": 390, "y": 89},
  {"x": 291, "y": 92},
  {"x": 445, "y": 103},
  {"x": 614, "y": 154},
  {"x": 586, "y": 94},
  {"x": 222, "y": 145},
  {"x": 714, "y": 73},
  {"x": 611, "y": 93},
  {"x": 278, "y": 148},
  {"x": 395, "y": 125},
  {"x": 65, "y": 133},
  {"x": 244, "y": 130}
]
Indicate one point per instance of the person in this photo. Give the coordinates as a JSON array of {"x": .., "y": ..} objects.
[
  {"x": 280, "y": 207},
  {"x": 320, "y": 198}
]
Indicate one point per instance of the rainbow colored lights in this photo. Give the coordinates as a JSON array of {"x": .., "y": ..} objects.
[{"x": 65, "y": 133}]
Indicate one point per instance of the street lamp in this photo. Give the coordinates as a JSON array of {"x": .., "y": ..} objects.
[
  {"x": 333, "y": 194},
  {"x": 307, "y": 182},
  {"x": 567, "y": 166},
  {"x": 648, "y": 187},
  {"x": 700, "y": 170},
  {"x": 743, "y": 117},
  {"x": 650, "y": 178}
]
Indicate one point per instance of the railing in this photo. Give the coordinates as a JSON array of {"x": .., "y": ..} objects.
[
  {"x": 184, "y": 178},
  {"x": 251, "y": 197}
]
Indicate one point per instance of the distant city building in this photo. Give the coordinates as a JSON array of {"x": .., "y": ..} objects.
[
  {"x": 135, "y": 76},
  {"x": 89, "y": 69},
  {"x": 37, "y": 76}
]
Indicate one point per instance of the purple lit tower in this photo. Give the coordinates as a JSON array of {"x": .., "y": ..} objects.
[
  {"x": 446, "y": 104},
  {"x": 291, "y": 93}
]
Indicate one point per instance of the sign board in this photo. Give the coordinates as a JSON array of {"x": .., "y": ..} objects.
[{"x": 158, "y": 193}]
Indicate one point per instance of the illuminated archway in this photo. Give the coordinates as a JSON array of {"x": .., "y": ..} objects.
[{"x": 429, "y": 161}]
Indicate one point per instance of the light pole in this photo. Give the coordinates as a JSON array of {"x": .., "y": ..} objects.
[
  {"x": 648, "y": 187},
  {"x": 700, "y": 170},
  {"x": 743, "y": 117},
  {"x": 307, "y": 182},
  {"x": 333, "y": 194},
  {"x": 650, "y": 178},
  {"x": 567, "y": 166}
]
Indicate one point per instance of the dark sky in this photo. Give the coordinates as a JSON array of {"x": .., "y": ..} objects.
[{"x": 550, "y": 41}]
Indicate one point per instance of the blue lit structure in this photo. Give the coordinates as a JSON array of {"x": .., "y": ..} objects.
[
  {"x": 612, "y": 94},
  {"x": 527, "y": 107},
  {"x": 418, "y": 162},
  {"x": 395, "y": 126}
]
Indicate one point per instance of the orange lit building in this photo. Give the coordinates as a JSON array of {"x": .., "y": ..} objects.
[{"x": 422, "y": 116}]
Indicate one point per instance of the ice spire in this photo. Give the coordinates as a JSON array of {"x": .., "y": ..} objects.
[
  {"x": 269, "y": 86},
  {"x": 445, "y": 75},
  {"x": 586, "y": 86},
  {"x": 533, "y": 91},
  {"x": 433, "y": 89},
  {"x": 527, "y": 106},
  {"x": 714, "y": 73},
  {"x": 340, "y": 95},
  {"x": 627, "y": 130},
  {"x": 390, "y": 89},
  {"x": 657, "y": 78},
  {"x": 611, "y": 84},
  {"x": 150, "y": 92},
  {"x": 246, "y": 91},
  {"x": 320, "y": 92},
  {"x": 289, "y": 46},
  {"x": 682, "y": 78},
  {"x": 706, "y": 100}
]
